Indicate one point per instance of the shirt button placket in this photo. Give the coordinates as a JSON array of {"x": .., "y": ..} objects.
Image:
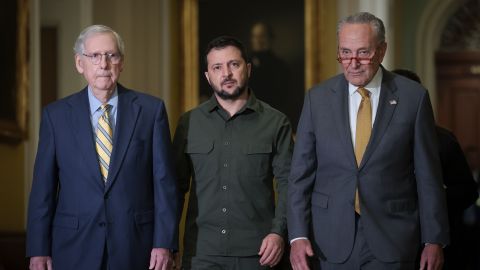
[{"x": 227, "y": 158}]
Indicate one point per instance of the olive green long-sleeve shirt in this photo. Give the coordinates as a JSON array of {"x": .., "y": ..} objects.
[{"x": 232, "y": 162}]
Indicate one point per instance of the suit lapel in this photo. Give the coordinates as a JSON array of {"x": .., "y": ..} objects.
[
  {"x": 127, "y": 115},
  {"x": 339, "y": 107},
  {"x": 386, "y": 106},
  {"x": 82, "y": 131}
]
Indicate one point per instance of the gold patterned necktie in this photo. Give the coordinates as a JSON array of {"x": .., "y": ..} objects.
[
  {"x": 363, "y": 131},
  {"x": 103, "y": 140}
]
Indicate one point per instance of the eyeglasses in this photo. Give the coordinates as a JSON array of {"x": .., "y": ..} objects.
[
  {"x": 361, "y": 60},
  {"x": 96, "y": 58}
]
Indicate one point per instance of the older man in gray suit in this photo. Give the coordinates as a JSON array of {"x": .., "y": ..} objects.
[{"x": 365, "y": 186}]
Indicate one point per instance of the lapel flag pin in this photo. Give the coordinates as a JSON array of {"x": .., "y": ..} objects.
[{"x": 393, "y": 102}]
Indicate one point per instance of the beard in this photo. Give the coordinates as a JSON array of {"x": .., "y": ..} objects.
[{"x": 237, "y": 92}]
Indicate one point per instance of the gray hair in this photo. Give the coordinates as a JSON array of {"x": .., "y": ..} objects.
[
  {"x": 79, "y": 47},
  {"x": 365, "y": 18}
]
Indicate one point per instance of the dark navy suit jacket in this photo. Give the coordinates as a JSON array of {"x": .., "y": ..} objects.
[
  {"x": 73, "y": 216},
  {"x": 402, "y": 199}
]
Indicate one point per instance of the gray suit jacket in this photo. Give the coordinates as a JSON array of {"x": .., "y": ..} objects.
[{"x": 399, "y": 179}]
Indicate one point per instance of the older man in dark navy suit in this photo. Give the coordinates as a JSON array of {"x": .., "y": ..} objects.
[{"x": 104, "y": 193}]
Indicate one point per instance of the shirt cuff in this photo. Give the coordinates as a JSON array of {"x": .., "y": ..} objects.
[{"x": 298, "y": 238}]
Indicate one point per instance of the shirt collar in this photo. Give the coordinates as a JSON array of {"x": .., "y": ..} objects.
[
  {"x": 95, "y": 103},
  {"x": 252, "y": 103},
  {"x": 373, "y": 86}
]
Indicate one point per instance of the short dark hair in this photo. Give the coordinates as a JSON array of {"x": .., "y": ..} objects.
[
  {"x": 225, "y": 41},
  {"x": 409, "y": 74}
]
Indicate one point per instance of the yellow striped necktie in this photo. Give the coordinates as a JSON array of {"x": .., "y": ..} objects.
[
  {"x": 362, "y": 133},
  {"x": 103, "y": 140}
]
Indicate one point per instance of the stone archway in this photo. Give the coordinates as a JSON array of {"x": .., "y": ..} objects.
[
  {"x": 430, "y": 27},
  {"x": 457, "y": 64}
]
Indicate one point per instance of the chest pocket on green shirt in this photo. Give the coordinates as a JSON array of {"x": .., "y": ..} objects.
[
  {"x": 200, "y": 153},
  {"x": 258, "y": 159}
]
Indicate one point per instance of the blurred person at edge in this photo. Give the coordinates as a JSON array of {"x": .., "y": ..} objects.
[{"x": 460, "y": 188}]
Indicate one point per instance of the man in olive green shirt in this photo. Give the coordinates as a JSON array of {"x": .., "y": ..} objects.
[{"x": 232, "y": 146}]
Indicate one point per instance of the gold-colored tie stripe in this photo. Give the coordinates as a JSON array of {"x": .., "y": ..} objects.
[
  {"x": 363, "y": 131},
  {"x": 103, "y": 140}
]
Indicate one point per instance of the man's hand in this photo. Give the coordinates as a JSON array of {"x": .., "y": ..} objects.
[
  {"x": 299, "y": 251},
  {"x": 271, "y": 250},
  {"x": 432, "y": 257},
  {"x": 41, "y": 263},
  {"x": 161, "y": 259}
]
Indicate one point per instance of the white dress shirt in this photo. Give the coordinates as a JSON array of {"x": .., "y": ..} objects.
[{"x": 96, "y": 112}]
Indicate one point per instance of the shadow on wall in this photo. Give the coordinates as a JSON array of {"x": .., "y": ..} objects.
[
  {"x": 274, "y": 33},
  {"x": 12, "y": 251}
]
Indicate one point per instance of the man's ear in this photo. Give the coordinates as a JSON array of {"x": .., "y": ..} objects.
[
  {"x": 79, "y": 63},
  {"x": 121, "y": 64},
  {"x": 206, "y": 76},
  {"x": 383, "y": 48},
  {"x": 249, "y": 69}
]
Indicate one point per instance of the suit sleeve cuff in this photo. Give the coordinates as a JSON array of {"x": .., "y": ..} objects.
[{"x": 442, "y": 245}]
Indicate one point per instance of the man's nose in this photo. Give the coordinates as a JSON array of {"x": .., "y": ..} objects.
[
  {"x": 356, "y": 63},
  {"x": 227, "y": 71},
  {"x": 103, "y": 61}
]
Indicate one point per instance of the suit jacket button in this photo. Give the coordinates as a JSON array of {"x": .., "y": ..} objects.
[{"x": 102, "y": 224}]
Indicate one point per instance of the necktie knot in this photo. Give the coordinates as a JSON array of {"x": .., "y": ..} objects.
[
  {"x": 105, "y": 107},
  {"x": 363, "y": 92}
]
